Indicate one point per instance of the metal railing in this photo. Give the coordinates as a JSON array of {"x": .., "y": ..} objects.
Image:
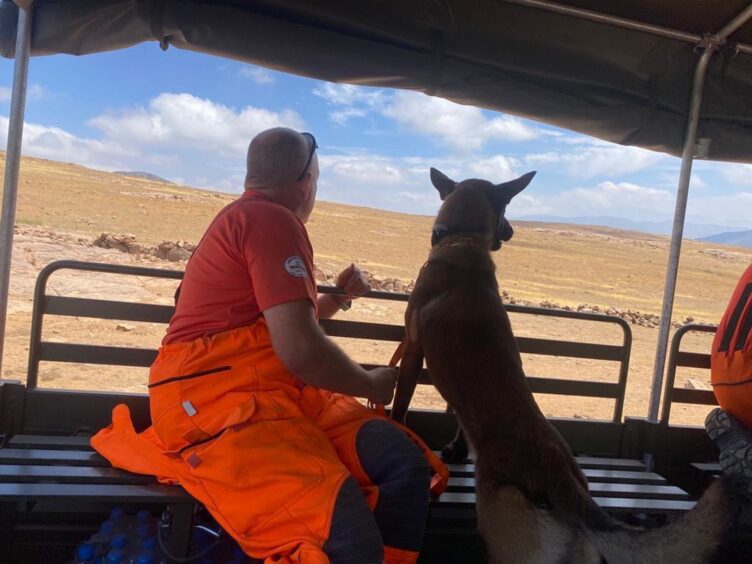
[
  {"x": 685, "y": 359},
  {"x": 44, "y": 304}
]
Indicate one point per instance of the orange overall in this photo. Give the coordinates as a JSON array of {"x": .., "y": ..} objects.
[
  {"x": 265, "y": 453},
  {"x": 731, "y": 357}
]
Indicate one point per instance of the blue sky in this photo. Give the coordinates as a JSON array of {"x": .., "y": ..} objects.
[{"x": 188, "y": 117}]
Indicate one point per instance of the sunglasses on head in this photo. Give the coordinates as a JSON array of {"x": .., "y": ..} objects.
[{"x": 314, "y": 146}]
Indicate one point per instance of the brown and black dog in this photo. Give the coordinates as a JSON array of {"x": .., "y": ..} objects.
[{"x": 533, "y": 504}]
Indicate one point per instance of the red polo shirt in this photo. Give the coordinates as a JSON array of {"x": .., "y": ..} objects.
[{"x": 255, "y": 254}]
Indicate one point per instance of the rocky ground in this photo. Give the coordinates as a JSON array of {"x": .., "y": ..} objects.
[
  {"x": 66, "y": 211},
  {"x": 35, "y": 247}
]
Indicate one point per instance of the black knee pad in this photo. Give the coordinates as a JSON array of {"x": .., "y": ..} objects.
[{"x": 354, "y": 537}]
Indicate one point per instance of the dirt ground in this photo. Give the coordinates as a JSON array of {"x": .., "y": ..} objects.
[{"x": 62, "y": 207}]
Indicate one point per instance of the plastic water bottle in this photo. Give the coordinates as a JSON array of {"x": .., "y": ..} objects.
[
  {"x": 148, "y": 553},
  {"x": 102, "y": 538},
  {"x": 145, "y": 530},
  {"x": 117, "y": 513},
  {"x": 84, "y": 553},
  {"x": 144, "y": 516},
  {"x": 120, "y": 542},
  {"x": 123, "y": 523},
  {"x": 144, "y": 558},
  {"x": 115, "y": 556}
]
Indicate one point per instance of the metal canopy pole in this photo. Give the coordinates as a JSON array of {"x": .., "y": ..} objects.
[
  {"x": 710, "y": 45},
  {"x": 626, "y": 23},
  {"x": 13, "y": 162}
]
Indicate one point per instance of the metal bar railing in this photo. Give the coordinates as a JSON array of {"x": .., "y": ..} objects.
[
  {"x": 108, "y": 309},
  {"x": 675, "y": 361}
]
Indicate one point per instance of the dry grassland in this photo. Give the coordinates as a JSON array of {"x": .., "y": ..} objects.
[{"x": 63, "y": 206}]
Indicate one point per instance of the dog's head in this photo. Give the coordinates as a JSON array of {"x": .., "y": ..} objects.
[{"x": 475, "y": 207}]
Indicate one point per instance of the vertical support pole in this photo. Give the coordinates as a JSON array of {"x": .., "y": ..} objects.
[
  {"x": 13, "y": 162},
  {"x": 710, "y": 45},
  {"x": 678, "y": 231}
]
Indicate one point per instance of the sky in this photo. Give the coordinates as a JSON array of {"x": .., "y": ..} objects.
[{"x": 188, "y": 117}]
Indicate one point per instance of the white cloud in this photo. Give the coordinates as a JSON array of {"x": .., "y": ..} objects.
[
  {"x": 257, "y": 74},
  {"x": 175, "y": 136},
  {"x": 496, "y": 169},
  {"x": 341, "y": 117},
  {"x": 33, "y": 92},
  {"x": 362, "y": 171},
  {"x": 696, "y": 182},
  {"x": 351, "y": 101},
  {"x": 528, "y": 204},
  {"x": 402, "y": 183},
  {"x": 463, "y": 128},
  {"x": 57, "y": 144},
  {"x": 622, "y": 199},
  {"x": 184, "y": 120},
  {"x": 737, "y": 174},
  {"x": 611, "y": 195},
  {"x": 728, "y": 209},
  {"x": 350, "y": 95},
  {"x": 598, "y": 158}
]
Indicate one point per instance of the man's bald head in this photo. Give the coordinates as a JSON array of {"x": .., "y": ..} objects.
[{"x": 276, "y": 158}]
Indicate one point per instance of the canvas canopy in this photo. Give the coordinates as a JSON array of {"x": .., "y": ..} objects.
[{"x": 629, "y": 85}]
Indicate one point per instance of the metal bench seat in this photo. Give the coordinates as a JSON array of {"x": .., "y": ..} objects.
[{"x": 33, "y": 467}]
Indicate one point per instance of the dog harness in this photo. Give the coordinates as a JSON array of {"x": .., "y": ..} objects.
[{"x": 504, "y": 231}]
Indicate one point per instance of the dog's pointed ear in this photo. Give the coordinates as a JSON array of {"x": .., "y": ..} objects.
[
  {"x": 513, "y": 187},
  {"x": 442, "y": 183}
]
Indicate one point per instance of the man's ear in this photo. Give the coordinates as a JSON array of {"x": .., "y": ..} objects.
[{"x": 442, "y": 183}]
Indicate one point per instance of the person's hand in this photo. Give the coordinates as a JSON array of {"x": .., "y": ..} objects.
[
  {"x": 383, "y": 381},
  {"x": 353, "y": 282}
]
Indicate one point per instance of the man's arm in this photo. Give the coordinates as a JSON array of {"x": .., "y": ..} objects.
[
  {"x": 330, "y": 304},
  {"x": 353, "y": 282},
  {"x": 310, "y": 355}
]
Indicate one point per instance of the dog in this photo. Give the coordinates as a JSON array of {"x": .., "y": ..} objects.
[{"x": 533, "y": 504}]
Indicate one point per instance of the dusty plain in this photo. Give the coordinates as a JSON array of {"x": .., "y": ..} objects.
[{"x": 63, "y": 207}]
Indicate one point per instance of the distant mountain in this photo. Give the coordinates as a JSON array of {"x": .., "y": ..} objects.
[
  {"x": 691, "y": 230},
  {"x": 144, "y": 175},
  {"x": 735, "y": 238}
]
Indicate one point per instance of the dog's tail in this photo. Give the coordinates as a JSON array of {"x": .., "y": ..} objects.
[{"x": 691, "y": 539}]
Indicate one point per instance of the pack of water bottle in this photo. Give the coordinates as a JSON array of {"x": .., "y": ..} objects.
[
  {"x": 134, "y": 539},
  {"x": 122, "y": 539}
]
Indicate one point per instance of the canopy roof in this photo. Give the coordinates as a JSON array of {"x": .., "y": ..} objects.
[{"x": 621, "y": 84}]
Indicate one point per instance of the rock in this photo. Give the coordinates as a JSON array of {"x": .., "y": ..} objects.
[
  {"x": 174, "y": 251},
  {"x": 125, "y": 243},
  {"x": 695, "y": 384},
  {"x": 124, "y": 328}
]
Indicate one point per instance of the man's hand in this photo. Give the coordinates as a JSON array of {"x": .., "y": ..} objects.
[
  {"x": 353, "y": 282},
  {"x": 383, "y": 381}
]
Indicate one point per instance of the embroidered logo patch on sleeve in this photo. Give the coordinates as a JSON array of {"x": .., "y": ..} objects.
[{"x": 296, "y": 267}]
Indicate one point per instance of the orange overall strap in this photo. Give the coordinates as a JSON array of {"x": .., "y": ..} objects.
[
  {"x": 396, "y": 357},
  {"x": 440, "y": 478}
]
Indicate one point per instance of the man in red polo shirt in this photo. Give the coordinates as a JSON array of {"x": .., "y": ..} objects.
[{"x": 252, "y": 405}]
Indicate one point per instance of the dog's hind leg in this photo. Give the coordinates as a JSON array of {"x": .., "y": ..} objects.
[{"x": 410, "y": 367}]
